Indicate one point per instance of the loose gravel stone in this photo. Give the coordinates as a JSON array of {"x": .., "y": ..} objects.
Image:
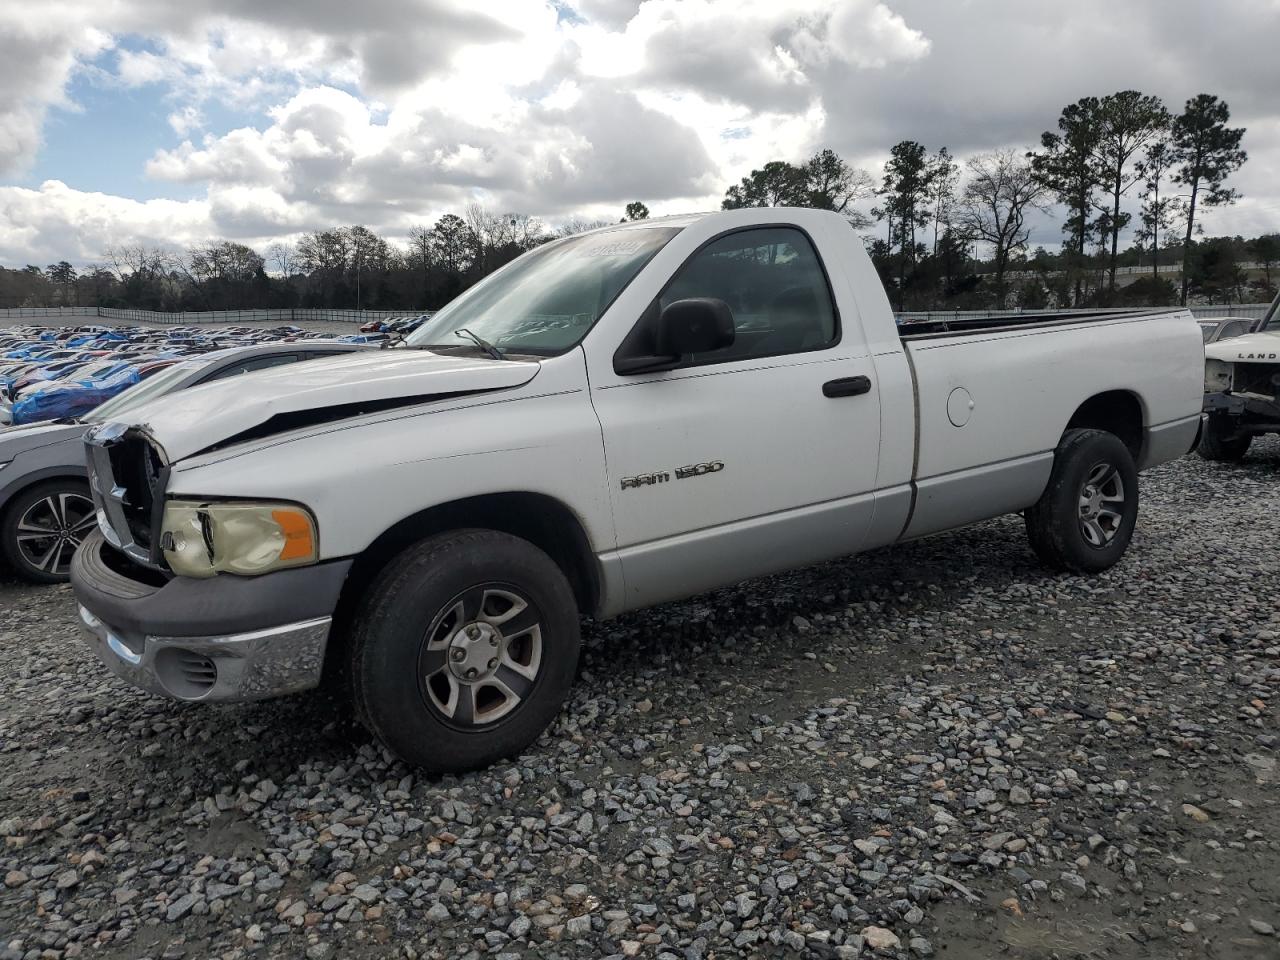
[{"x": 849, "y": 760}]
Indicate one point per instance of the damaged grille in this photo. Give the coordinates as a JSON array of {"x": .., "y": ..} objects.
[
  {"x": 127, "y": 477},
  {"x": 1262, "y": 379}
]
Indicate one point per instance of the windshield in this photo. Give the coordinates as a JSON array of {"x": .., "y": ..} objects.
[
  {"x": 545, "y": 302},
  {"x": 154, "y": 386}
]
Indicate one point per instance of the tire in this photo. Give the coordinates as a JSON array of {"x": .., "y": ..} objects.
[
  {"x": 1219, "y": 440},
  {"x": 61, "y": 507},
  {"x": 449, "y": 605},
  {"x": 1084, "y": 520}
]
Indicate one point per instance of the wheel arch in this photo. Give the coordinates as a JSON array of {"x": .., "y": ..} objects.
[
  {"x": 1120, "y": 412},
  {"x": 20, "y": 485},
  {"x": 543, "y": 520}
]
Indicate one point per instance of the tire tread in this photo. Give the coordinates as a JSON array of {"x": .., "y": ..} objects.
[
  {"x": 1051, "y": 522},
  {"x": 377, "y": 613}
]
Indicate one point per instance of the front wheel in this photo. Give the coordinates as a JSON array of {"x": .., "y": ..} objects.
[
  {"x": 1220, "y": 441},
  {"x": 42, "y": 527},
  {"x": 1084, "y": 520},
  {"x": 465, "y": 651}
]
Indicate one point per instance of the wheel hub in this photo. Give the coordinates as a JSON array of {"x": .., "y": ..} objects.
[
  {"x": 475, "y": 650},
  {"x": 1101, "y": 505},
  {"x": 1090, "y": 501},
  {"x": 481, "y": 655}
]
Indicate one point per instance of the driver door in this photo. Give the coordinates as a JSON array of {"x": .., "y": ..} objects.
[{"x": 750, "y": 459}]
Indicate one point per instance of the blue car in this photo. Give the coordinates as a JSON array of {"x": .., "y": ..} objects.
[
  {"x": 90, "y": 387},
  {"x": 52, "y": 370}
]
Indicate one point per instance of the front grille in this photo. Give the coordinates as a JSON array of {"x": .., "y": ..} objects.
[
  {"x": 1259, "y": 378},
  {"x": 136, "y": 469},
  {"x": 127, "y": 477}
]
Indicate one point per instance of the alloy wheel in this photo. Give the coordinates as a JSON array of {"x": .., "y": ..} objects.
[
  {"x": 51, "y": 529},
  {"x": 481, "y": 655},
  {"x": 1101, "y": 505}
]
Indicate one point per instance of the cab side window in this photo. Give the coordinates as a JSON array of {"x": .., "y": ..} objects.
[
  {"x": 248, "y": 366},
  {"x": 773, "y": 282}
]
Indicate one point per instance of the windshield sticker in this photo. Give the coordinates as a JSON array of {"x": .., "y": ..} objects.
[{"x": 616, "y": 248}]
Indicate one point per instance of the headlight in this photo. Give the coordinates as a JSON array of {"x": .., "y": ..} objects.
[
  {"x": 202, "y": 539},
  {"x": 1217, "y": 376}
]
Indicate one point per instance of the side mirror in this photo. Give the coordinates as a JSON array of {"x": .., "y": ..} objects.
[{"x": 696, "y": 325}]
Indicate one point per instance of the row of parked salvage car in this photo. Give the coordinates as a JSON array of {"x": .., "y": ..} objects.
[
  {"x": 72, "y": 378},
  {"x": 50, "y": 373}
]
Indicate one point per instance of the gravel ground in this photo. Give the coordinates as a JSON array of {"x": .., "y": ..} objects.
[{"x": 935, "y": 749}]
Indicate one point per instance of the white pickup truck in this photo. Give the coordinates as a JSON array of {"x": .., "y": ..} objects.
[{"x": 614, "y": 420}]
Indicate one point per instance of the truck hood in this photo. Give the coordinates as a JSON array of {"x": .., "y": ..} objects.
[
  {"x": 1252, "y": 347},
  {"x": 298, "y": 395}
]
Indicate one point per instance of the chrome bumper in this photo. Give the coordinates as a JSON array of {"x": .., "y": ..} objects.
[{"x": 238, "y": 666}]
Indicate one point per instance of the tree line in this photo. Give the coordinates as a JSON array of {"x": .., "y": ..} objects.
[
  {"x": 941, "y": 234},
  {"x": 348, "y": 267},
  {"x": 1105, "y": 149}
]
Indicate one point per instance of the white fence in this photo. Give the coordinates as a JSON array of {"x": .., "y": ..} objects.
[{"x": 295, "y": 315}]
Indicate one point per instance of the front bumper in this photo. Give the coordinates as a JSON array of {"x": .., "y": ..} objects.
[
  {"x": 1224, "y": 403},
  {"x": 1256, "y": 414},
  {"x": 226, "y": 638},
  {"x": 239, "y": 666}
]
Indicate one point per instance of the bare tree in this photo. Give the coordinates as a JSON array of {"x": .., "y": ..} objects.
[
  {"x": 577, "y": 224},
  {"x": 147, "y": 273},
  {"x": 285, "y": 257},
  {"x": 500, "y": 237},
  {"x": 132, "y": 259},
  {"x": 421, "y": 246},
  {"x": 1001, "y": 191}
]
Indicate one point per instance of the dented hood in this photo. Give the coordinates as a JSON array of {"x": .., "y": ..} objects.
[
  {"x": 1249, "y": 348},
  {"x": 281, "y": 398}
]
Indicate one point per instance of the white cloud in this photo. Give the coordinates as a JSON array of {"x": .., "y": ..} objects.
[
  {"x": 390, "y": 112},
  {"x": 57, "y": 222},
  {"x": 39, "y": 49}
]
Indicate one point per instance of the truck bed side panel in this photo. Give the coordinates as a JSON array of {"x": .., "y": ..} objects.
[{"x": 993, "y": 406}]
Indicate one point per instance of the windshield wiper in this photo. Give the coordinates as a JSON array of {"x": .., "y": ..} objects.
[{"x": 480, "y": 342}]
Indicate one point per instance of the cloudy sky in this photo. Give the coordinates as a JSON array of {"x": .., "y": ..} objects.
[{"x": 164, "y": 122}]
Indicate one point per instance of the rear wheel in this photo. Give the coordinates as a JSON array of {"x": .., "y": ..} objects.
[
  {"x": 42, "y": 528},
  {"x": 465, "y": 651},
  {"x": 1084, "y": 520},
  {"x": 1220, "y": 440}
]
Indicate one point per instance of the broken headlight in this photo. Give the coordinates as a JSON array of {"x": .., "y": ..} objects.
[{"x": 203, "y": 539}]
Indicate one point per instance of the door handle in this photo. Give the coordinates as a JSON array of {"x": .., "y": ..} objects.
[{"x": 847, "y": 387}]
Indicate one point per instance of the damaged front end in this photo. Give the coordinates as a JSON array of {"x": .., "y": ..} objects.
[{"x": 128, "y": 473}]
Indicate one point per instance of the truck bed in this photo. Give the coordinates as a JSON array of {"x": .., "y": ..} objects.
[
  {"x": 921, "y": 329},
  {"x": 994, "y": 395}
]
